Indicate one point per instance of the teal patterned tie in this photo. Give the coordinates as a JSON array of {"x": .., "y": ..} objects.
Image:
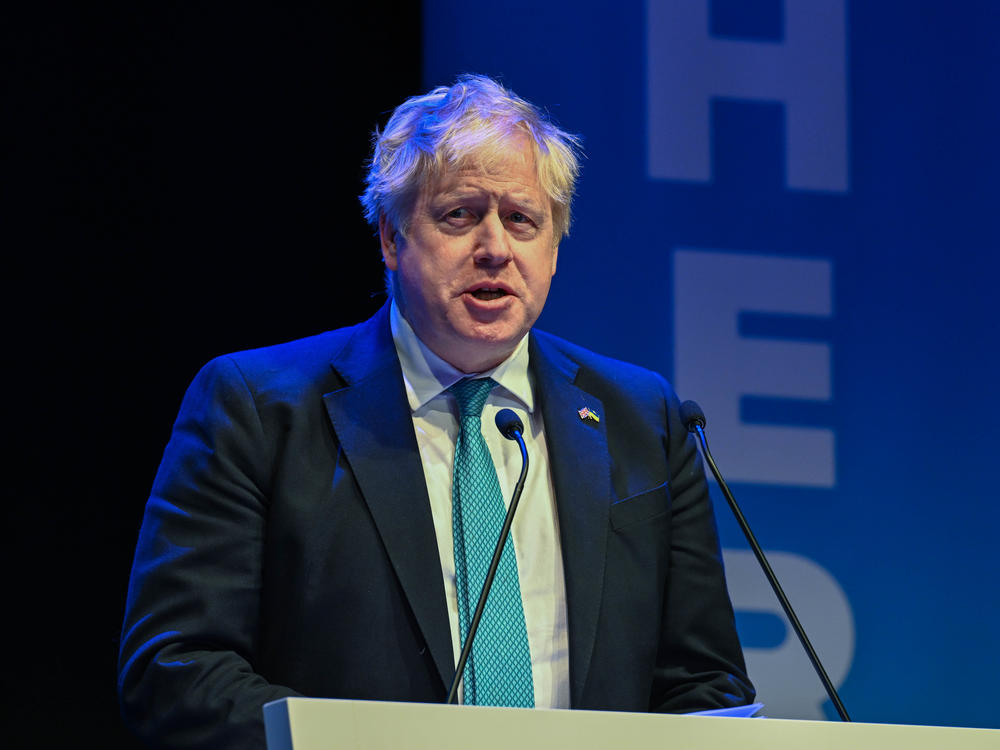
[{"x": 498, "y": 672}]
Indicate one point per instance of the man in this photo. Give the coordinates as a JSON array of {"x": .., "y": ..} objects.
[{"x": 309, "y": 531}]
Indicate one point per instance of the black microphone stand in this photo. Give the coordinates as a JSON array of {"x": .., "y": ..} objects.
[
  {"x": 513, "y": 432},
  {"x": 694, "y": 420}
]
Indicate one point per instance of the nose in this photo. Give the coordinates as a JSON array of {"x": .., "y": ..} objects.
[{"x": 492, "y": 243}]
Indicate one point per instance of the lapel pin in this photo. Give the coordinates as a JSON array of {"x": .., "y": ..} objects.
[{"x": 586, "y": 414}]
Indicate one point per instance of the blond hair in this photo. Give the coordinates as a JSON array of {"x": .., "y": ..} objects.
[{"x": 475, "y": 120}]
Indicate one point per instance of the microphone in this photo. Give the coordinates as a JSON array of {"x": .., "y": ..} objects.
[
  {"x": 510, "y": 427},
  {"x": 691, "y": 414},
  {"x": 694, "y": 420}
]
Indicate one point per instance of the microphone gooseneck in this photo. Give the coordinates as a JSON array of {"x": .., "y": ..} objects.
[
  {"x": 510, "y": 427},
  {"x": 694, "y": 420}
]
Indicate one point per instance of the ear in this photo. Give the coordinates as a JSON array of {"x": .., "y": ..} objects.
[
  {"x": 555, "y": 255},
  {"x": 388, "y": 236}
]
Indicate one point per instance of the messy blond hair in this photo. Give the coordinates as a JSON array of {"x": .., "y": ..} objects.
[{"x": 474, "y": 121}]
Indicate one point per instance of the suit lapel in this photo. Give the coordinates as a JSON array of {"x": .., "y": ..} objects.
[
  {"x": 372, "y": 421},
  {"x": 581, "y": 474}
]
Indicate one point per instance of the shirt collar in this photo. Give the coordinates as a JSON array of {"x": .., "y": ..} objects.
[{"x": 426, "y": 375}]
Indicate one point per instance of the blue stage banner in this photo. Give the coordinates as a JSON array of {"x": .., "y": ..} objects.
[{"x": 790, "y": 210}]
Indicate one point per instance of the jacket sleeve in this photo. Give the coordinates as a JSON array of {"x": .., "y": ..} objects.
[
  {"x": 700, "y": 662},
  {"x": 187, "y": 662}
]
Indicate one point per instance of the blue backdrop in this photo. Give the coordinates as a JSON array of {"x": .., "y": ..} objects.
[{"x": 789, "y": 209}]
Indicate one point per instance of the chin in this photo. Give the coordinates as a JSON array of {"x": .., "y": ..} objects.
[
  {"x": 498, "y": 338},
  {"x": 479, "y": 353}
]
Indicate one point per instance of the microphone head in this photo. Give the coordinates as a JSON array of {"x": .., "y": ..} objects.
[
  {"x": 509, "y": 424},
  {"x": 692, "y": 415}
]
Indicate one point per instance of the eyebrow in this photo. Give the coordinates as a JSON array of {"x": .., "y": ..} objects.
[{"x": 470, "y": 193}]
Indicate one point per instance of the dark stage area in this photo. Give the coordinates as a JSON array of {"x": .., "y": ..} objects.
[{"x": 182, "y": 182}]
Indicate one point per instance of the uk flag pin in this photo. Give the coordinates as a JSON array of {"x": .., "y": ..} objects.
[{"x": 588, "y": 414}]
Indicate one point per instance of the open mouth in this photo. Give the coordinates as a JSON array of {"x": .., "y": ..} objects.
[{"x": 488, "y": 294}]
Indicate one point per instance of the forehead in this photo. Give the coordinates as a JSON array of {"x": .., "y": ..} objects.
[{"x": 510, "y": 170}]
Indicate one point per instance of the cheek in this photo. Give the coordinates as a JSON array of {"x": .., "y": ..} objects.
[
  {"x": 424, "y": 278},
  {"x": 545, "y": 266},
  {"x": 540, "y": 287}
]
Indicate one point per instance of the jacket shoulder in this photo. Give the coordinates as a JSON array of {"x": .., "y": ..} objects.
[{"x": 285, "y": 371}]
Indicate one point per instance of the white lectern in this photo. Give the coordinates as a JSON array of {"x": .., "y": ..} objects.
[{"x": 318, "y": 724}]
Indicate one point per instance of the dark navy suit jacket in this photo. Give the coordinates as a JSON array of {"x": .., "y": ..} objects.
[{"x": 288, "y": 546}]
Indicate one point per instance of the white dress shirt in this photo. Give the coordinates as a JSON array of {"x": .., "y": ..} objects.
[{"x": 536, "y": 525}]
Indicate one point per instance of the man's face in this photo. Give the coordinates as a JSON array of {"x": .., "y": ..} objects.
[{"x": 474, "y": 270}]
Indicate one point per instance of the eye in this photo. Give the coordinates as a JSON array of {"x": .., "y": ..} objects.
[
  {"x": 458, "y": 217},
  {"x": 521, "y": 225}
]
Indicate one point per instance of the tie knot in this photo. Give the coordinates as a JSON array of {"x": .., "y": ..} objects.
[{"x": 471, "y": 395}]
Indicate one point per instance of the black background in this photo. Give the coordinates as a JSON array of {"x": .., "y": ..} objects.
[{"x": 181, "y": 181}]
